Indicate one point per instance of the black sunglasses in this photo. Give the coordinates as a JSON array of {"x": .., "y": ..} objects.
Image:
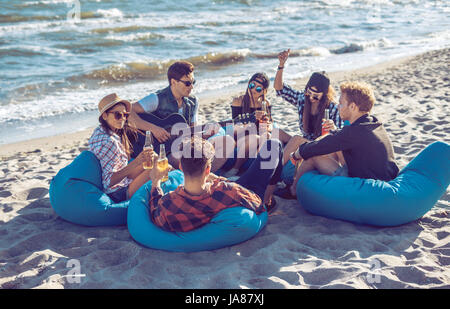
[
  {"x": 187, "y": 83},
  {"x": 311, "y": 94},
  {"x": 120, "y": 115}
]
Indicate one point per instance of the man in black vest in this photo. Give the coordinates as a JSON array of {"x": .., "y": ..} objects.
[{"x": 176, "y": 98}]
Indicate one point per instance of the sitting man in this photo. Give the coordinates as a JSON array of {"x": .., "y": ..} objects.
[
  {"x": 362, "y": 149},
  {"x": 205, "y": 194},
  {"x": 177, "y": 99}
]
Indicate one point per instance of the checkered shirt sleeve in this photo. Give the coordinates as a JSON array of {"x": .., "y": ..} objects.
[
  {"x": 297, "y": 98},
  {"x": 109, "y": 151}
]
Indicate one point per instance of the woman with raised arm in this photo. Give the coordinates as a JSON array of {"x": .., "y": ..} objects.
[{"x": 311, "y": 104}]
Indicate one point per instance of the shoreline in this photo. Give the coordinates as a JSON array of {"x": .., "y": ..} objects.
[{"x": 67, "y": 140}]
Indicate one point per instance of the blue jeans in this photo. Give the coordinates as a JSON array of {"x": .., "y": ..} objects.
[{"x": 265, "y": 169}]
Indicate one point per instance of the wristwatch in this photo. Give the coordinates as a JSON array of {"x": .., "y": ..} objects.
[{"x": 280, "y": 68}]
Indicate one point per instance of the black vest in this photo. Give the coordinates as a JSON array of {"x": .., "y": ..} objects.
[{"x": 167, "y": 104}]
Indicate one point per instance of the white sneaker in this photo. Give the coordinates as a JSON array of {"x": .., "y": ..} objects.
[{"x": 230, "y": 173}]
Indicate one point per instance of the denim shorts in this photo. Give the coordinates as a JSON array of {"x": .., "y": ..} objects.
[
  {"x": 341, "y": 171},
  {"x": 119, "y": 195}
]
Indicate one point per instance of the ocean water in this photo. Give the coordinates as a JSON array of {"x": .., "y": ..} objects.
[{"x": 58, "y": 58}]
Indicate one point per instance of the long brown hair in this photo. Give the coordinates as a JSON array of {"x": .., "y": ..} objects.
[
  {"x": 324, "y": 103},
  {"x": 128, "y": 134},
  {"x": 261, "y": 78}
]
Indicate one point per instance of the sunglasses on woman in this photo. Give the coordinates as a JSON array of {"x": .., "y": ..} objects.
[
  {"x": 120, "y": 115},
  {"x": 253, "y": 85},
  {"x": 312, "y": 94},
  {"x": 187, "y": 83}
]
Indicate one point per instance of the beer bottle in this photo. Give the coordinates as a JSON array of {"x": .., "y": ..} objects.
[
  {"x": 148, "y": 147},
  {"x": 326, "y": 117},
  {"x": 163, "y": 162}
]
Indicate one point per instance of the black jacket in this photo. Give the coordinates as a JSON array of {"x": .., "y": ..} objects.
[{"x": 365, "y": 145}]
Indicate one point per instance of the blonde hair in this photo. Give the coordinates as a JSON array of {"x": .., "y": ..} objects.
[{"x": 359, "y": 93}]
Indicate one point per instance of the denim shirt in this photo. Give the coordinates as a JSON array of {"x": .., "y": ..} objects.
[{"x": 167, "y": 104}]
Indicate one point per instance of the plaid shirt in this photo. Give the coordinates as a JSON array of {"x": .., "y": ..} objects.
[
  {"x": 112, "y": 156},
  {"x": 178, "y": 211},
  {"x": 297, "y": 98}
]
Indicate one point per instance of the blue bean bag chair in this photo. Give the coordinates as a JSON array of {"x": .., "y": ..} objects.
[
  {"x": 404, "y": 199},
  {"x": 76, "y": 194},
  {"x": 228, "y": 227}
]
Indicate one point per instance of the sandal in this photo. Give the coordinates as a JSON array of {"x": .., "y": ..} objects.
[
  {"x": 272, "y": 206},
  {"x": 285, "y": 193}
]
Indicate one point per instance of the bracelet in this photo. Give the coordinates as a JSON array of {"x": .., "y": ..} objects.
[
  {"x": 280, "y": 68},
  {"x": 293, "y": 156}
]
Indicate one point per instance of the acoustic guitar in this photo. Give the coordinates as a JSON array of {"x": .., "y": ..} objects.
[{"x": 181, "y": 128}]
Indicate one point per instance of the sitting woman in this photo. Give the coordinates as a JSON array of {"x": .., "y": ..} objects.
[
  {"x": 253, "y": 101},
  {"x": 311, "y": 103},
  {"x": 111, "y": 145}
]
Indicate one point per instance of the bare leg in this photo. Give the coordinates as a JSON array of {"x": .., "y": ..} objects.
[
  {"x": 292, "y": 146},
  {"x": 138, "y": 182},
  {"x": 281, "y": 135},
  {"x": 326, "y": 165},
  {"x": 341, "y": 158},
  {"x": 243, "y": 148},
  {"x": 268, "y": 194},
  {"x": 224, "y": 146},
  {"x": 247, "y": 148}
]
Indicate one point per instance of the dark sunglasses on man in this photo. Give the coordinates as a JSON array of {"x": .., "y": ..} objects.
[
  {"x": 120, "y": 115},
  {"x": 187, "y": 83}
]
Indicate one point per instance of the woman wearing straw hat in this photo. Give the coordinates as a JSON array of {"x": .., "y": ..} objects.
[{"x": 111, "y": 145}]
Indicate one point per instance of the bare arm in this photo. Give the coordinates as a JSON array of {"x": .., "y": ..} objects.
[
  {"x": 137, "y": 121},
  {"x": 160, "y": 134},
  {"x": 282, "y": 57},
  {"x": 131, "y": 170}
]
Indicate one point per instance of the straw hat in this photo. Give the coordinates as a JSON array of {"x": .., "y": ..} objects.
[{"x": 110, "y": 100}]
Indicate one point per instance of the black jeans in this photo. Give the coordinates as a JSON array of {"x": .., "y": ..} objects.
[{"x": 265, "y": 169}]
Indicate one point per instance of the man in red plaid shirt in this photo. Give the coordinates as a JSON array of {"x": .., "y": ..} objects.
[{"x": 205, "y": 194}]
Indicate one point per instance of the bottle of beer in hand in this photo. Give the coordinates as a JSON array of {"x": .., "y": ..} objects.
[
  {"x": 325, "y": 117},
  {"x": 148, "y": 147},
  {"x": 264, "y": 108},
  {"x": 163, "y": 162}
]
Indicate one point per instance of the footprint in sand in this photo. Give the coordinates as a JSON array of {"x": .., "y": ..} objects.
[
  {"x": 6, "y": 208},
  {"x": 414, "y": 274},
  {"x": 257, "y": 243},
  {"x": 40, "y": 203},
  {"x": 39, "y": 216},
  {"x": 399, "y": 150},
  {"x": 32, "y": 193},
  {"x": 5, "y": 193}
]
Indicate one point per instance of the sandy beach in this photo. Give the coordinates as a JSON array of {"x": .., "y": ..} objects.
[{"x": 295, "y": 250}]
